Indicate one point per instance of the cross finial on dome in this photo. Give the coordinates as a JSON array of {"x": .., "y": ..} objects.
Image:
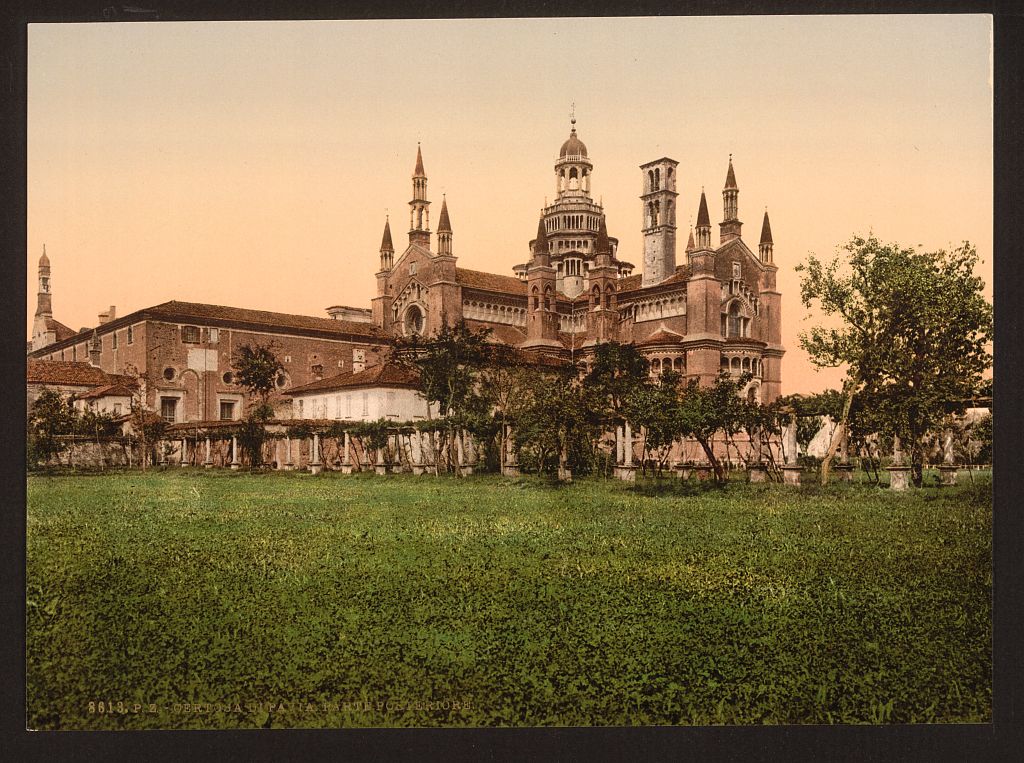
[{"x": 572, "y": 114}]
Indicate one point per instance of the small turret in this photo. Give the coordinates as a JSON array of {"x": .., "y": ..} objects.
[
  {"x": 730, "y": 226},
  {"x": 444, "y": 230},
  {"x": 703, "y": 223},
  {"x": 387, "y": 249},
  {"x": 766, "y": 245},
  {"x": 419, "y": 207}
]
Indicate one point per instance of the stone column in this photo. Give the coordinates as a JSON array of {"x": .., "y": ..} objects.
[
  {"x": 380, "y": 467},
  {"x": 234, "y": 453},
  {"x": 791, "y": 470},
  {"x": 161, "y": 453},
  {"x": 288, "y": 465},
  {"x": 844, "y": 469},
  {"x": 416, "y": 452},
  {"x": 184, "y": 452},
  {"x": 511, "y": 468},
  {"x": 625, "y": 470},
  {"x": 466, "y": 454},
  {"x": 208, "y": 463},
  {"x": 346, "y": 458},
  {"x": 314, "y": 460},
  {"x": 898, "y": 473},
  {"x": 947, "y": 469}
]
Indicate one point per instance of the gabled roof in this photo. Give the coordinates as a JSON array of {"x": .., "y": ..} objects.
[
  {"x": 260, "y": 318},
  {"x": 108, "y": 390},
  {"x": 633, "y": 282},
  {"x": 500, "y": 332},
  {"x": 384, "y": 375},
  {"x": 736, "y": 243},
  {"x": 477, "y": 279},
  {"x": 662, "y": 336},
  {"x": 62, "y": 332},
  {"x": 74, "y": 373}
]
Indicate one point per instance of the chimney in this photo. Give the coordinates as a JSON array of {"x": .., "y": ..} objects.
[{"x": 108, "y": 316}]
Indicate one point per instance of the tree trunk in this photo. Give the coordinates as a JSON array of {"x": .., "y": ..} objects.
[
  {"x": 715, "y": 464},
  {"x": 840, "y": 432}
]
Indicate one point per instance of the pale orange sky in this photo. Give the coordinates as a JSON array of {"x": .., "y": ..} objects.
[{"x": 251, "y": 164}]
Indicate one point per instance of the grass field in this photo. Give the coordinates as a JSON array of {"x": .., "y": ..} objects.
[{"x": 191, "y": 599}]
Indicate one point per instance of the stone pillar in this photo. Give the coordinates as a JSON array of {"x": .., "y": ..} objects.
[
  {"x": 314, "y": 461},
  {"x": 564, "y": 472},
  {"x": 511, "y": 468},
  {"x": 466, "y": 457},
  {"x": 625, "y": 470},
  {"x": 208, "y": 463},
  {"x": 898, "y": 473},
  {"x": 184, "y": 452},
  {"x": 416, "y": 452},
  {"x": 791, "y": 470},
  {"x": 234, "y": 453},
  {"x": 288, "y": 465},
  {"x": 380, "y": 467},
  {"x": 947, "y": 469},
  {"x": 346, "y": 456},
  {"x": 161, "y": 453},
  {"x": 844, "y": 469}
]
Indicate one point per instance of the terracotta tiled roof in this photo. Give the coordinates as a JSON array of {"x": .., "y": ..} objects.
[
  {"x": 108, "y": 390},
  {"x": 262, "y": 318},
  {"x": 500, "y": 332},
  {"x": 633, "y": 283},
  {"x": 663, "y": 336},
  {"x": 477, "y": 279},
  {"x": 63, "y": 332},
  {"x": 384, "y": 375},
  {"x": 70, "y": 372}
]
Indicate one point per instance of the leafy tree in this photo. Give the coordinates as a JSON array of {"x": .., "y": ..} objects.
[
  {"x": 913, "y": 331},
  {"x": 449, "y": 364},
  {"x": 554, "y": 427},
  {"x": 50, "y": 416},
  {"x": 256, "y": 368},
  {"x": 652, "y": 407},
  {"x": 616, "y": 371},
  {"x": 703, "y": 412}
]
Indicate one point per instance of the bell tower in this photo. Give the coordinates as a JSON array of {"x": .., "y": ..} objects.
[
  {"x": 659, "y": 200},
  {"x": 419, "y": 207}
]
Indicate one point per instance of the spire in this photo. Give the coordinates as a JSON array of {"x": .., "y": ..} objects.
[
  {"x": 443, "y": 223},
  {"x": 444, "y": 230},
  {"x": 602, "y": 245},
  {"x": 387, "y": 249},
  {"x": 703, "y": 223},
  {"x": 689, "y": 244},
  {"x": 766, "y": 229},
  {"x": 44, "y": 261},
  {"x": 418, "y": 172},
  {"x": 540, "y": 244},
  {"x": 766, "y": 246},
  {"x": 730, "y": 177},
  {"x": 703, "y": 218}
]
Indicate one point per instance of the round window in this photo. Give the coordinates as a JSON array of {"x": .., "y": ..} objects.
[
  {"x": 229, "y": 378},
  {"x": 169, "y": 373},
  {"x": 414, "y": 320},
  {"x": 281, "y": 380}
]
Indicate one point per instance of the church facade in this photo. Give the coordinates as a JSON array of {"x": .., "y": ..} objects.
[
  {"x": 712, "y": 308},
  {"x": 716, "y": 308}
]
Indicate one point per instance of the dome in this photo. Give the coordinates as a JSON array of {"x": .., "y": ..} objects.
[
  {"x": 44, "y": 261},
  {"x": 573, "y": 147}
]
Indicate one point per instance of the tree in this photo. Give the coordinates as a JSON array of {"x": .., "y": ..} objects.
[
  {"x": 616, "y": 371},
  {"x": 256, "y": 368},
  {"x": 703, "y": 412},
  {"x": 652, "y": 407},
  {"x": 553, "y": 421},
  {"x": 449, "y": 365},
  {"x": 51, "y": 416},
  {"x": 913, "y": 331}
]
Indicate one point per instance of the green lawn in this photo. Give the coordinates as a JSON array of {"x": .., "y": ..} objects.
[{"x": 293, "y": 600}]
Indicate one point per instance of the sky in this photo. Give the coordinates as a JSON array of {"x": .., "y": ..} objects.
[{"x": 252, "y": 164}]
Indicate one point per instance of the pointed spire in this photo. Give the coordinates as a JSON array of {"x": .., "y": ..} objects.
[
  {"x": 540, "y": 245},
  {"x": 690, "y": 246},
  {"x": 418, "y": 172},
  {"x": 730, "y": 177},
  {"x": 44, "y": 261},
  {"x": 703, "y": 218},
  {"x": 602, "y": 245},
  {"x": 385, "y": 242},
  {"x": 94, "y": 343},
  {"x": 766, "y": 229},
  {"x": 444, "y": 225}
]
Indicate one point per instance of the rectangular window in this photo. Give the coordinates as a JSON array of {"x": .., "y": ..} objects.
[
  {"x": 117, "y": 409},
  {"x": 113, "y": 340},
  {"x": 131, "y": 335},
  {"x": 337, "y": 406},
  {"x": 348, "y": 406},
  {"x": 214, "y": 335},
  {"x": 190, "y": 334},
  {"x": 169, "y": 409},
  {"x": 366, "y": 403},
  {"x": 227, "y": 410},
  {"x": 736, "y": 273},
  {"x": 390, "y": 402},
  {"x": 300, "y": 409}
]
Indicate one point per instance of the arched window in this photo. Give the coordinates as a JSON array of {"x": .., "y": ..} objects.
[
  {"x": 657, "y": 180},
  {"x": 752, "y": 395},
  {"x": 656, "y": 367},
  {"x": 650, "y": 180},
  {"x": 609, "y": 291},
  {"x": 678, "y": 364},
  {"x": 547, "y": 297},
  {"x": 735, "y": 365},
  {"x": 735, "y": 324},
  {"x": 595, "y": 296},
  {"x": 746, "y": 364},
  {"x": 536, "y": 298},
  {"x": 573, "y": 175},
  {"x": 725, "y": 363}
]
